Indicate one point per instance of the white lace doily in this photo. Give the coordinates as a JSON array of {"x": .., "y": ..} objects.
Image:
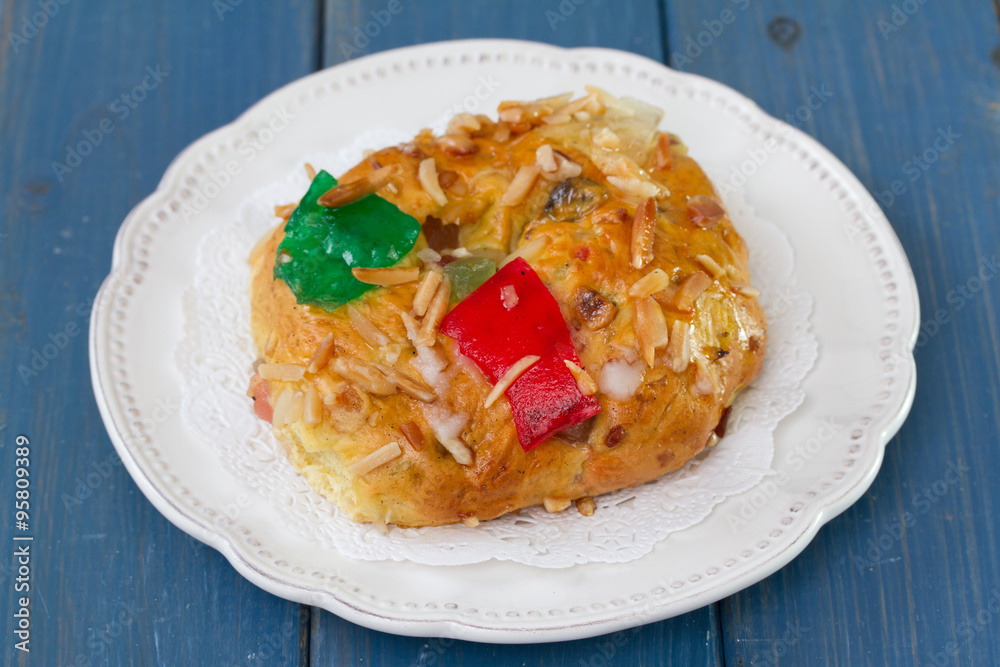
[{"x": 216, "y": 354}]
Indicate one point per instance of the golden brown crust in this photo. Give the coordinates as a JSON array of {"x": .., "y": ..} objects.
[{"x": 585, "y": 263}]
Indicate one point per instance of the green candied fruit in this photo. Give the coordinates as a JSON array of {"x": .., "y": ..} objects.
[
  {"x": 322, "y": 244},
  {"x": 467, "y": 274}
]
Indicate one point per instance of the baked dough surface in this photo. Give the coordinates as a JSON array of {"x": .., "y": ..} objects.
[{"x": 578, "y": 240}]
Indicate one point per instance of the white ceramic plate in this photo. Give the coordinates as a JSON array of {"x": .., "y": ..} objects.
[{"x": 827, "y": 452}]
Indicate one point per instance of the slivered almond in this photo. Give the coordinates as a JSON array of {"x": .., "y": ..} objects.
[
  {"x": 679, "y": 347},
  {"x": 528, "y": 251},
  {"x": 428, "y": 175},
  {"x": 383, "y": 277},
  {"x": 283, "y": 372},
  {"x": 457, "y": 145},
  {"x": 285, "y": 212},
  {"x": 586, "y": 506},
  {"x": 425, "y": 291},
  {"x": 368, "y": 331},
  {"x": 643, "y": 226},
  {"x": 746, "y": 290},
  {"x": 519, "y": 188},
  {"x": 502, "y": 133},
  {"x": 557, "y": 119},
  {"x": 704, "y": 382},
  {"x": 704, "y": 211},
  {"x": 413, "y": 435},
  {"x": 508, "y": 294},
  {"x": 379, "y": 457},
  {"x": 546, "y": 158},
  {"x": 407, "y": 385},
  {"x": 689, "y": 291},
  {"x": 711, "y": 266},
  {"x": 458, "y": 449},
  {"x": 713, "y": 440},
  {"x": 436, "y": 311},
  {"x": 632, "y": 185},
  {"x": 362, "y": 374},
  {"x": 288, "y": 408},
  {"x": 313, "y": 412},
  {"x": 555, "y": 505},
  {"x": 507, "y": 379},
  {"x": 651, "y": 283},
  {"x": 584, "y": 382},
  {"x": 321, "y": 357},
  {"x": 346, "y": 193},
  {"x": 566, "y": 169},
  {"x": 310, "y": 171},
  {"x": 650, "y": 328},
  {"x": 470, "y": 522},
  {"x": 463, "y": 123},
  {"x": 663, "y": 158}
]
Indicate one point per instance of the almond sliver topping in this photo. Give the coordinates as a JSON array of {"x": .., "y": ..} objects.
[
  {"x": 546, "y": 158},
  {"x": 651, "y": 283},
  {"x": 428, "y": 175},
  {"x": 650, "y": 328},
  {"x": 584, "y": 382},
  {"x": 643, "y": 226},
  {"x": 680, "y": 346},
  {"x": 383, "y": 277},
  {"x": 283, "y": 372},
  {"x": 435, "y": 313},
  {"x": 746, "y": 290},
  {"x": 508, "y": 378},
  {"x": 323, "y": 354},
  {"x": 379, "y": 457},
  {"x": 425, "y": 292},
  {"x": 313, "y": 412},
  {"x": 711, "y": 266},
  {"x": 371, "y": 333},
  {"x": 457, "y": 449},
  {"x": 347, "y": 193},
  {"x": 689, "y": 291},
  {"x": 519, "y": 188}
]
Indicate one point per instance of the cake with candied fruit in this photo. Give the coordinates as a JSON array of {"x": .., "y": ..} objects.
[{"x": 527, "y": 310}]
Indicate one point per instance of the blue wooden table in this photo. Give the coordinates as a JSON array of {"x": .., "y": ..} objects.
[{"x": 908, "y": 575}]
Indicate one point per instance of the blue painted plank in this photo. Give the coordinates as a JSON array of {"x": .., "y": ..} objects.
[
  {"x": 909, "y": 575},
  {"x": 127, "y": 87},
  {"x": 636, "y": 26}
]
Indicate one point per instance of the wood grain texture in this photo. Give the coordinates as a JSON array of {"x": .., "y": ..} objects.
[
  {"x": 906, "y": 576},
  {"x": 114, "y": 582}
]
